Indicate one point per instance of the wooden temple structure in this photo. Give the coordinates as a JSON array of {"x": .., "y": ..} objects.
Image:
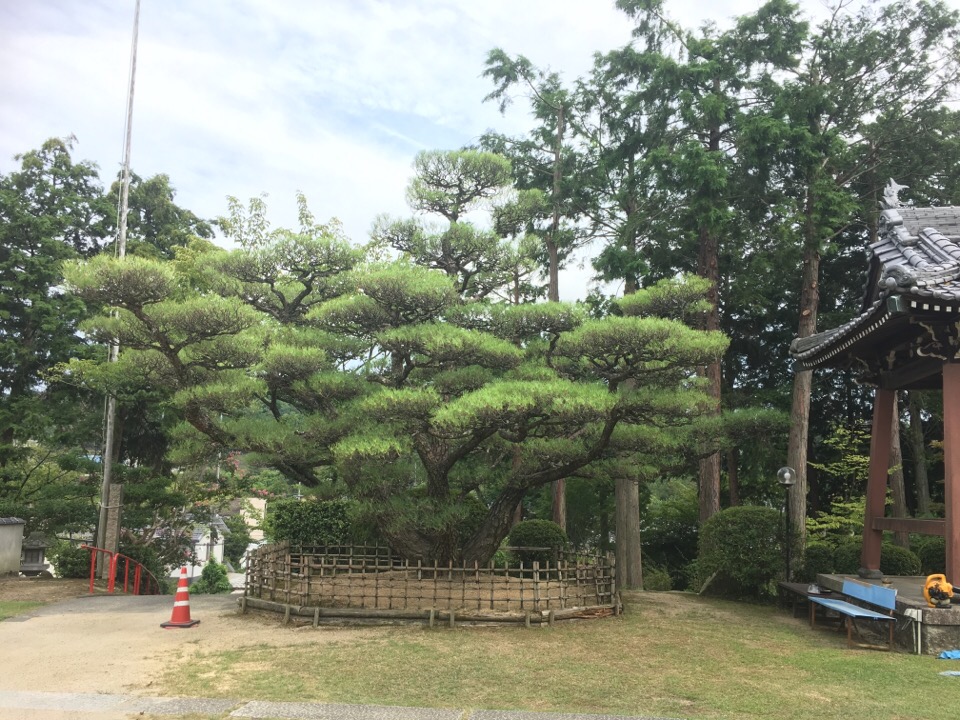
[{"x": 906, "y": 337}]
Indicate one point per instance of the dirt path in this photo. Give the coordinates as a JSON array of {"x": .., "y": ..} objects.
[{"x": 114, "y": 644}]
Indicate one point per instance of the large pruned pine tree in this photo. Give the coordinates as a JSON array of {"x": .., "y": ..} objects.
[{"x": 438, "y": 411}]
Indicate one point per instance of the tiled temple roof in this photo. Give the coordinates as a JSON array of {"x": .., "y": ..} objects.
[{"x": 914, "y": 267}]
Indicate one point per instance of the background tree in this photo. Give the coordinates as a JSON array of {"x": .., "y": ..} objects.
[
  {"x": 51, "y": 210},
  {"x": 155, "y": 223}
]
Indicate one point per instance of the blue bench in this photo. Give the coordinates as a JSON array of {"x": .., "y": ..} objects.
[{"x": 875, "y": 595}]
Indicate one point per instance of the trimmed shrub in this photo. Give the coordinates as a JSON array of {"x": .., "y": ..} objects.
[
  {"x": 656, "y": 580},
  {"x": 741, "y": 547},
  {"x": 72, "y": 562},
  {"x": 310, "y": 522},
  {"x": 213, "y": 580},
  {"x": 846, "y": 558},
  {"x": 896, "y": 560},
  {"x": 933, "y": 555},
  {"x": 817, "y": 558},
  {"x": 538, "y": 533}
]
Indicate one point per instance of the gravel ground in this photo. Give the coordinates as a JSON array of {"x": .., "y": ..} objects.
[{"x": 114, "y": 643}]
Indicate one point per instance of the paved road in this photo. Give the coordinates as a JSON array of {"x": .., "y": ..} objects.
[{"x": 24, "y": 705}]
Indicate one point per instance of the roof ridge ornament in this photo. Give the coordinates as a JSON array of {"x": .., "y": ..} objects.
[{"x": 891, "y": 197}]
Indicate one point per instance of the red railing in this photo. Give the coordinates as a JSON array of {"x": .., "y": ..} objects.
[{"x": 144, "y": 582}]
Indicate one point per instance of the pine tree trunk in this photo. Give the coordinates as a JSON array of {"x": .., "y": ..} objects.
[
  {"x": 628, "y": 555},
  {"x": 559, "y": 488},
  {"x": 897, "y": 486},
  {"x": 918, "y": 451}
]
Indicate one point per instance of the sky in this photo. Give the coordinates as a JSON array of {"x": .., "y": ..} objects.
[{"x": 331, "y": 97}]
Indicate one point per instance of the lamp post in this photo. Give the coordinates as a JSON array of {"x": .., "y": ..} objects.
[{"x": 787, "y": 477}]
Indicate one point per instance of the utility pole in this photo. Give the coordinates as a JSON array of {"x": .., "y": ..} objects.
[{"x": 106, "y": 502}]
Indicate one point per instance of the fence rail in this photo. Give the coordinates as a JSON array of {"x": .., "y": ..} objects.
[
  {"x": 143, "y": 581},
  {"x": 375, "y": 579}
]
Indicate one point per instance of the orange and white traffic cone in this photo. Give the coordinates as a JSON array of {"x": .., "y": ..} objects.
[{"x": 181, "y": 605}]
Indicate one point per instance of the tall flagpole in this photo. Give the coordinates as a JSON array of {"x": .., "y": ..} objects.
[{"x": 111, "y": 411}]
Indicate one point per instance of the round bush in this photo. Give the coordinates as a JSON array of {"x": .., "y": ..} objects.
[
  {"x": 817, "y": 558},
  {"x": 846, "y": 558},
  {"x": 933, "y": 555},
  {"x": 656, "y": 580},
  {"x": 213, "y": 580},
  {"x": 896, "y": 560},
  {"x": 72, "y": 562},
  {"x": 741, "y": 547},
  {"x": 537, "y": 534}
]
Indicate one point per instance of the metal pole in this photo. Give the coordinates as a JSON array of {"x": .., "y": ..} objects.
[
  {"x": 110, "y": 425},
  {"x": 788, "y": 539}
]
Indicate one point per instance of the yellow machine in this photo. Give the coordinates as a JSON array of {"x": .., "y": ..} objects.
[{"x": 937, "y": 591}]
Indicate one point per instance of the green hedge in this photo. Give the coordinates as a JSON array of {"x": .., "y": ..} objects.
[
  {"x": 538, "y": 533},
  {"x": 817, "y": 559},
  {"x": 742, "y": 548},
  {"x": 896, "y": 560},
  {"x": 846, "y": 558},
  {"x": 72, "y": 562},
  {"x": 656, "y": 579},
  {"x": 932, "y": 552}
]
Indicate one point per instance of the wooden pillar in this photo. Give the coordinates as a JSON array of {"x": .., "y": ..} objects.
[
  {"x": 883, "y": 404},
  {"x": 951, "y": 464}
]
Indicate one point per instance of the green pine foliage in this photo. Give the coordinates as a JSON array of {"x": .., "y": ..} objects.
[
  {"x": 309, "y": 522},
  {"x": 416, "y": 413}
]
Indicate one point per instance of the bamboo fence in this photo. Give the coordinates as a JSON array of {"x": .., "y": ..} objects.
[{"x": 372, "y": 582}]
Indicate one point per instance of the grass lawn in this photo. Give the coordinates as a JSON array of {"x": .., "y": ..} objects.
[
  {"x": 671, "y": 654},
  {"x": 9, "y": 608}
]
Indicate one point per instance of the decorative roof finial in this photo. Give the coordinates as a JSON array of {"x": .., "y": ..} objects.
[{"x": 890, "y": 192}]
